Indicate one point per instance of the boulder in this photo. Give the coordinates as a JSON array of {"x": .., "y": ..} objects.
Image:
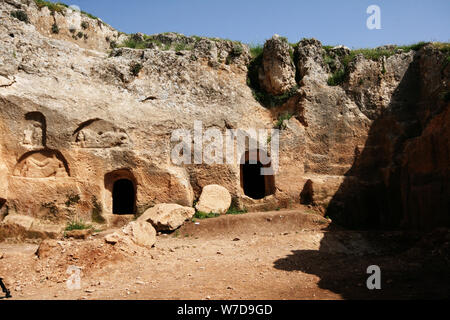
[
  {"x": 46, "y": 248},
  {"x": 167, "y": 217},
  {"x": 141, "y": 233},
  {"x": 277, "y": 74},
  {"x": 214, "y": 199}
]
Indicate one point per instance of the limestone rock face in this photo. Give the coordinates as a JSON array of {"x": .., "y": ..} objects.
[
  {"x": 395, "y": 173},
  {"x": 310, "y": 62},
  {"x": 79, "y": 116},
  {"x": 167, "y": 217},
  {"x": 141, "y": 233},
  {"x": 372, "y": 83},
  {"x": 214, "y": 199},
  {"x": 277, "y": 74}
]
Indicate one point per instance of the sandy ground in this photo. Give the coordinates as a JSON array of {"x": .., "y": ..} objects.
[{"x": 272, "y": 255}]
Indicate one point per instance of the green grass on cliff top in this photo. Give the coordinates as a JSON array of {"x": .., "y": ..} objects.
[
  {"x": 135, "y": 43},
  {"x": 59, "y": 7},
  {"x": 339, "y": 76}
]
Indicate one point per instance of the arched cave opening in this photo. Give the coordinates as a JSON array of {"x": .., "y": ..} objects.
[
  {"x": 256, "y": 185},
  {"x": 124, "y": 197}
]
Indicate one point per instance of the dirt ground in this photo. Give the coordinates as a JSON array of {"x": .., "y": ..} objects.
[{"x": 271, "y": 255}]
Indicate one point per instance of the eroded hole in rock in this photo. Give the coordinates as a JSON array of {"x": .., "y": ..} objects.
[
  {"x": 123, "y": 197},
  {"x": 255, "y": 184}
]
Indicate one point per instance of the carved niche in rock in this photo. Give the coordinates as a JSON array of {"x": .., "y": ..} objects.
[
  {"x": 99, "y": 133},
  {"x": 42, "y": 164},
  {"x": 35, "y": 130}
]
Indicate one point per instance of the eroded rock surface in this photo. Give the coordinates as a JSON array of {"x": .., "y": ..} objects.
[
  {"x": 277, "y": 74},
  {"x": 78, "y": 115}
]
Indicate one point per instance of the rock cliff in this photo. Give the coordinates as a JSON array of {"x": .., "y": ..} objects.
[{"x": 83, "y": 107}]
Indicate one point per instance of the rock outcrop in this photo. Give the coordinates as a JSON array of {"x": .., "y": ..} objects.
[
  {"x": 310, "y": 61},
  {"x": 277, "y": 73},
  {"x": 167, "y": 217},
  {"x": 141, "y": 233},
  {"x": 214, "y": 199},
  {"x": 86, "y": 124}
]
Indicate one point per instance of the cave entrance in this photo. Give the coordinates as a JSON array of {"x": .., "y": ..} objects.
[
  {"x": 254, "y": 184},
  {"x": 124, "y": 197}
]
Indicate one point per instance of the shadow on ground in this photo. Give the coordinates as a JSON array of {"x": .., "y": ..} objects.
[{"x": 409, "y": 267}]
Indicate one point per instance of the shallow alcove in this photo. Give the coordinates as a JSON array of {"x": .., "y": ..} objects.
[
  {"x": 307, "y": 194},
  {"x": 254, "y": 184},
  {"x": 37, "y": 128}
]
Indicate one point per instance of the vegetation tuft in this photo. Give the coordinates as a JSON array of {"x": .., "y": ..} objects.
[
  {"x": 77, "y": 225},
  {"x": 59, "y": 7},
  {"x": 55, "y": 28},
  {"x": 20, "y": 15},
  {"x": 238, "y": 49},
  {"x": 133, "y": 43},
  {"x": 339, "y": 76},
  {"x": 203, "y": 215},
  {"x": 182, "y": 47},
  {"x": 72, "y": 199},
  {"x": 236, "y": 211},
  {"x": 135, "y": 68},
  {"x": 280, "y": 122},
  {"x": 53, "y": 7},
  {"x": 256, "y": 50}
]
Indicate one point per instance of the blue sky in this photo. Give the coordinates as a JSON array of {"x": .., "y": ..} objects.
[{"x": 252, "y": 21}]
